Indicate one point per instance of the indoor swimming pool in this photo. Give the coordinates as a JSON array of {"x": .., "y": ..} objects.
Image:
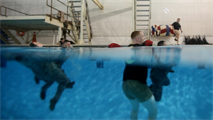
[{"x": 98, "y": 74}]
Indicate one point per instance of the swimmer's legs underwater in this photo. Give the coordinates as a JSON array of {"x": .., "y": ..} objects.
[
  {"x": 159, "y": 79},
  {"x": 61, "y": 87},
  {"x": 36, "y": 80},
  {"x": 135, "y": 107},
  {"x": 150, "y": 106},
  {"x": 55, "y": 99},
  {"x": 137, "y": 93},
  {"x": 157, "y": 92},
  {"x": 44, "y": 89}
]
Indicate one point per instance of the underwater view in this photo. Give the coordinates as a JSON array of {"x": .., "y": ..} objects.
[{"x": 93, "y": 78}]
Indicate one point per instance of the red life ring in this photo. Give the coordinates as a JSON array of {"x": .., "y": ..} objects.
[{"x": 20, "y": 33}]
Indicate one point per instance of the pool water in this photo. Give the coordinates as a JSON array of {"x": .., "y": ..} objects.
[{"x": 97, "y": 93}]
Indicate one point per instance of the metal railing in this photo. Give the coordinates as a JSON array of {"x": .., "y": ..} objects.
[
  {"x": 98, "y": 4},
  {"x": 149, "y": 28},
  {"x": 67, "y": 13},
  {"x": 7, "y": 8},
  {"x": 51, "y": 9},
  {"x": 134, "y": 15},
  {"x": 87, "y": 10}
]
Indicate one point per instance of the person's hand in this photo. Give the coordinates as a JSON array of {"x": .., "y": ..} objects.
[
  {"x": 38, "y": 44},
  {"x": 172, "y": 71},
  {"x": 66, "y": 44}
]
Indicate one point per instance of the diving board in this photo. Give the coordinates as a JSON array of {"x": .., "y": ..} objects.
[{"x": 25, "y": 23}]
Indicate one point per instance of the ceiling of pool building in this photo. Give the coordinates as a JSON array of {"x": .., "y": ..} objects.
[{"x": 102, "y": 22}]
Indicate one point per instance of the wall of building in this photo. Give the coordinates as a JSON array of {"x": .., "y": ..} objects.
[
  {"x": 114, "y": 23},
  {"x": 196, "y": 17}
]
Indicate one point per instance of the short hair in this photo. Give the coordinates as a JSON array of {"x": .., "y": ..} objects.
[
  {"x": 32, "y": 45},
  {"x": 160, "y": 43},
  {"x": 61, "y": 38},
  {"x": 65, "y": 41},
  {"x": 178, "y": 18},
  {"x": 134, "y": 34}
]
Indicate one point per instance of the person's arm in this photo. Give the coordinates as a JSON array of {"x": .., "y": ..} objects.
[
  {"x": 173, "y": 28},
  {"x": 181, "y": 30}
]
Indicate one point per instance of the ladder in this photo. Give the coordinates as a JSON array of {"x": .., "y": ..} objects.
[
  {"x": 142, "y": 16},
  {"x": 7, "y": 37},
  {"x": 80, "y": 21},
  {"x": 4, "y": 37}
]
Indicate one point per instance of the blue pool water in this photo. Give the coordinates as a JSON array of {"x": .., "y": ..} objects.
[{"x": 97, "y": 93}]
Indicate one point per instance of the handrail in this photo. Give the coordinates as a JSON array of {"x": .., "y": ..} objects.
[
  {"x": 74, "y": 29},
  {"x": 87, "y": 12},
  {"x": 134, "y": 14},
  {"x": 9, "y": 9},
  {"x": 62, "y": 3},
  {"x": 67, "y": 8},
  {"x": 149, "y": 28},
  {"x": 98, "y": 4},
  {"x": 51, "y": 8}
]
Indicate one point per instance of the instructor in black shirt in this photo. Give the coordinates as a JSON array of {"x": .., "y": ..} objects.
[
  {"x": 134, "y": 83},
  {"x": 176, "y": 27}
]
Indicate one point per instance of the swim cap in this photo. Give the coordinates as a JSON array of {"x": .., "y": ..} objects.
[
  {"x": 148, "y": 43},
  {"x": 112, "y": 45}
]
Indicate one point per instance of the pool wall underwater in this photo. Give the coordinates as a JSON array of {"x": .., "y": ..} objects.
[{"x": 97, "y": 92}]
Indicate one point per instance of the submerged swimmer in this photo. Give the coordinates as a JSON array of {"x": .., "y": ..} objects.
[
  {"x": 159, "y": 76},
  {"x": 66, "y": 43},
  {"x": 49, "y": 71},
  {"x": 36, "y": 44}
]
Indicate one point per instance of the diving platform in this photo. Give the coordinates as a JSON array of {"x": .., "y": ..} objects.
[
  {"x": 77, "y": 28},
  {"x": 25, "y": 23}
]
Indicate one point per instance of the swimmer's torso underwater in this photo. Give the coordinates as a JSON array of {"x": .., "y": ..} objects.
[{"x": 97, "y": 92}]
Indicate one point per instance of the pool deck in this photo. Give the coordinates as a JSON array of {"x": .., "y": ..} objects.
[{"x": 50, "y": 45}]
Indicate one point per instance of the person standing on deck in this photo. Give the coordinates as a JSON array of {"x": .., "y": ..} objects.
[{"x": 176, "y": 27}]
